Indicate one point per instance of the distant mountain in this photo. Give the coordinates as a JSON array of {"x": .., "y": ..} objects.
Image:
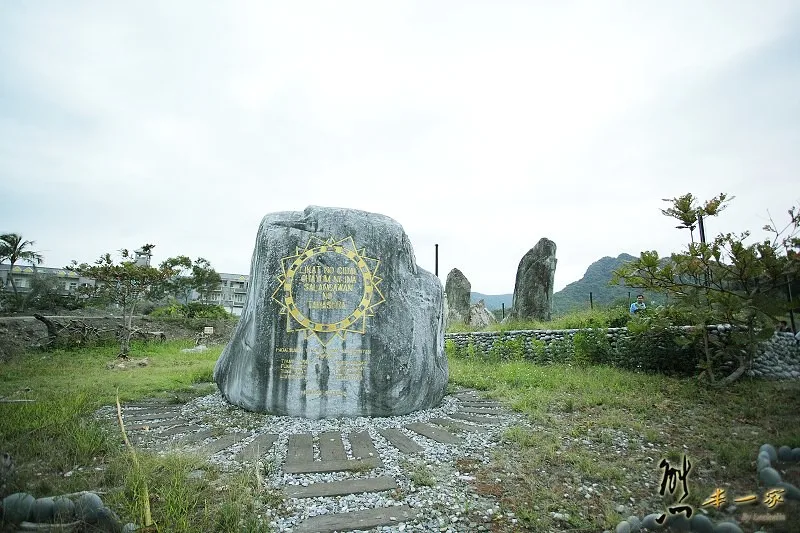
[
  {"x": 493, "y": 301},
  {"x": 575, "y": 296}
]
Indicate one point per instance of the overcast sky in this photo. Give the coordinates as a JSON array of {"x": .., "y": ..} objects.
[{"x": 480, "y": 126}]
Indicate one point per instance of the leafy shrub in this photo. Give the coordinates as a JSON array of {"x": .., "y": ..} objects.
[
  {"x": 508, "y": 350},
  {"x": 591, "y": 347},
  {"x": 539, "y": 351},
  {"x": 474, "y": 351},
  {"x": 560, "y": 351},
  {"x": 451, "y": 349},
  {"x": 657, "y": 349},
  {"x": 174, "y": 310}
]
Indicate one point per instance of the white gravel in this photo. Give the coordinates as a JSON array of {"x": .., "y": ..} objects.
[{"x": 448, "y": 505}]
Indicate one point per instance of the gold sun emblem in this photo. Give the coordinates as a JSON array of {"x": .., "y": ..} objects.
[{"x": 328, "y": 289}]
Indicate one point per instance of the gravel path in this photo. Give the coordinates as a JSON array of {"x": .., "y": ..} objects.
[{"x": 429, "y": 486}]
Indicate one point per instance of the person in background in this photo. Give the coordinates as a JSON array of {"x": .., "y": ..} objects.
[
  {"x": 638, "y": 306},
  {"x": 783, "y": 327}
]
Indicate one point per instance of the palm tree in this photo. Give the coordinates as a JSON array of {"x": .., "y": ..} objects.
[{"x": 13, "y": 249}]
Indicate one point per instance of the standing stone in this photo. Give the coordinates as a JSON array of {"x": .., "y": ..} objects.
[
  {"x": 479, "y": 316},
  {"x": 533, "y": 289},
  {"x": 457, "y": 288},
  {"x": 339, "y": 321}
]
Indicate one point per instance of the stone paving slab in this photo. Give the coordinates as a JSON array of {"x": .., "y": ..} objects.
[
  {"x": 226, "y": 441},
  {"x": 300, "y": 449},
  {"x": 482, "y": 411},
  {"x": 340, "y": 488},
  {"x": 140, "y": 426},
  {"x": 319, "y": 467},
  {"x": 331, "y": 447},
  {"x": 149, "y": 405},
  {"x": 200, "y": 435},
  {"x": 480, "y": 403},
  {"x": 435, "y": 433},
  {"x": 400, "y": 440},
  {"x": 467, "y": 396},
  {"x": 453, "y": 424},
  {"x": 257, "y": 448},
  {"x": 147, "y": 414},
  {"x": 356, "y": 520},
  {"x": 362, "y": 447},
  {"x": 474, "y": 418},
  {"x": 178, "y": 430}
]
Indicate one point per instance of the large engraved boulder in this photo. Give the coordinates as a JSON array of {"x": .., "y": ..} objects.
[
  {"x": 533, "y": 289},
  {"x": 339, "y": 321},
  {"x": 457, "y": 289}
]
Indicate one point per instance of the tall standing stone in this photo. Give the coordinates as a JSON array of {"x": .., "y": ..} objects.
[
  {"x": 457, "y": 289},
  {"x": 533, "y": 289},
  {"x": 339, "y": 321}
]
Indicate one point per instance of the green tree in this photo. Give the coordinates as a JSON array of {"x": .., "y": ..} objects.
[
  {"x": 180, "y": 284},
  {"x": 198, "y": 276},
  {"x": 126, "y": 282},
  {"x": 14, "y": 249},
  {"x": 725, "y": 281},
  {"x": 205, "y": 279}
]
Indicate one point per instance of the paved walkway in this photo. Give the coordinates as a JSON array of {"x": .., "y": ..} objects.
[{"x": 155, "y": 426}]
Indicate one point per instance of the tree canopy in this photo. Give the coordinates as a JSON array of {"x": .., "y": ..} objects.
[{"x": 723, "y": 281}]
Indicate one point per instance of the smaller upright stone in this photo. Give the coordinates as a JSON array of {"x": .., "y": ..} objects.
[
  {"x": 479, "y": 316},
  {"x": 458, "y": 289}
]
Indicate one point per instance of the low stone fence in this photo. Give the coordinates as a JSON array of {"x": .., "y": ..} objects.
[{"x": 778, "y": 357}]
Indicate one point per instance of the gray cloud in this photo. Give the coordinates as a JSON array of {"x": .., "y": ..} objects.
[{"x": 480, "y": 129}]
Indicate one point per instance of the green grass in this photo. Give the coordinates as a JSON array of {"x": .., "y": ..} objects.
[
  {"x": 56, "y": 434},
  {"x": 593, "y": 424}
]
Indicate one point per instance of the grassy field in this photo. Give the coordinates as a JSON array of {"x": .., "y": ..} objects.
[
  {"x": 59, "y": 448},
  {"x": 588, "y": 457},
  {"x": 596, "y": 437}
]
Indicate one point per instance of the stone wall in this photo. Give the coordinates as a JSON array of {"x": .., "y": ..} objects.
[{"x": 778, "y": 357}]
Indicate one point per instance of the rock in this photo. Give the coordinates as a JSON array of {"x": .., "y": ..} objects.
[
  {"x": 129, "y": 528},
  {"x": 457, "y": 288},
  {"x": 87, "y": 505},
  {"x": 770, "y": 449},
  {"x": 792, "y": 492},
  {"x": 769, "y": 476},
  {"x": 649, "y": 522},
  {"x": 43, "y": 510},
  {"x": 533, "y": 288},
  {"x": 200, "y": 348},
  {"x": 623, "y": 527},
  {"x": 106, "y": 520},
  {"x": 762, "y": 462},
  {"x": 64, "y": 509},
  {"x": 727, "y": 527},
  {"x": 479, "y": 316},
  {"x": 701, "y": 524},
  {"x": 17, "y": 507},
  {"x": 678, "y": 522},
  {"x": 784, "y": 453},
  {"x": 339, "y": 321},
  {"x": 635, "y": 523},
  {"x": 796, "y": 454}
]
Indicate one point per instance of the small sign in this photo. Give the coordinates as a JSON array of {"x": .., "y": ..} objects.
[{"x": 208, "y": 330}]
